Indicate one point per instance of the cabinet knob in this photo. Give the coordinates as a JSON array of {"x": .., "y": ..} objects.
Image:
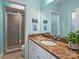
[{"x": 38, "y": 57}]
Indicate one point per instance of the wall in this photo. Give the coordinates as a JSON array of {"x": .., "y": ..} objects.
[
  {"x": 32, "y": 7},
  {"x": 1, "y": 28},
  {"x": 13, "y": 5},
  {"x": 45, "y": 13},
  {"x": 18, "y": 1},
  {"x": 65, "y": 7},
  {"x": 33, "y": 12}
]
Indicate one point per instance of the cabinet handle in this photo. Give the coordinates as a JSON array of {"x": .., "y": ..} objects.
[
  {"x": 38, "y": 57},
  {"x": 32, "y": 49}
]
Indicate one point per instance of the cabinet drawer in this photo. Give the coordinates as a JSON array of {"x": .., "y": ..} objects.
[{"x": 53, "y": 57}]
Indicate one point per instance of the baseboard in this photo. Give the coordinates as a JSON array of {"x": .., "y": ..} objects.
[
  {"x": 12, "y": 50},
  {"x": 1, "y": 55}
]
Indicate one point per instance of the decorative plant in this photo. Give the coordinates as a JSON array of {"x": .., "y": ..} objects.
[{"x": 73, "y": 37}]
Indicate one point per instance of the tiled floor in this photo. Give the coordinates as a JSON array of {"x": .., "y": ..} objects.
[{"x": 15, "y": 55}]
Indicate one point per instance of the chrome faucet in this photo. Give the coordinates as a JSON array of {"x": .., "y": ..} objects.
[{"x": 56, "y": 37}]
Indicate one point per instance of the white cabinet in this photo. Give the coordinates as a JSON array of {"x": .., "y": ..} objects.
[
  {"x": 52, "y": 57},
  {"x": 36, "y": 52},
  {"x": 32, "y": 53},
  {"x": 30, "y": 50},
  {"x": 26, "y": 49},
  {"x": 41, "y": 52}
]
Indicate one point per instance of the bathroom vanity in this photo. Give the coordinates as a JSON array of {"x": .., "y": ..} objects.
[{"x": 38, "y": 50}]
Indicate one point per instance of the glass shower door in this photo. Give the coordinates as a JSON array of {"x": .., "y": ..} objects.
[{"x": 13, "y": 30}]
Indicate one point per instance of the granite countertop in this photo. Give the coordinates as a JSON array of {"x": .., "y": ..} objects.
[{"x": 61, "y": 50}]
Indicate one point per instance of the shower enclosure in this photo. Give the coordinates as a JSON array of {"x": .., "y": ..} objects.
[{"x": 14, "y": 29}]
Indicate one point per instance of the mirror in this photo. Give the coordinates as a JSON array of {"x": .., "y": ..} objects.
[
  {"x": 62, "y": 17},
  {"x": 50, "y": 19}
]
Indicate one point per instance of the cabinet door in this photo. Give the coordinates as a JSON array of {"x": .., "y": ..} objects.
[
  {"x": 53, "y": 57},
  {"x": 41, "y": 53},
  {"x": 36, "y": 52},
  {"x": 26, "y": 49},
  {"x": 39, "y": 56},
  {"x": 30, "y": 50}
]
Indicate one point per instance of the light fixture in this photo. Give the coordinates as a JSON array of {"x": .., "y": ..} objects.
[
  {"x": 18, "y": 13},
  {"x": 49, "y": 1}
]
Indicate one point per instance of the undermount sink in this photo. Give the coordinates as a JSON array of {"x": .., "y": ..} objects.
[{"x": 49, "y": 43}]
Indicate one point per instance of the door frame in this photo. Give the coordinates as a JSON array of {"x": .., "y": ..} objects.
[
  {"x": 58, "y": 21},
  {"x": 6, "y": 22},
  {"x": 25, "y": 10}
]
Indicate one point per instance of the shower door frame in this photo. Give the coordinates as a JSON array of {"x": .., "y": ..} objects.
[{"x": 6, "y": 24}]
